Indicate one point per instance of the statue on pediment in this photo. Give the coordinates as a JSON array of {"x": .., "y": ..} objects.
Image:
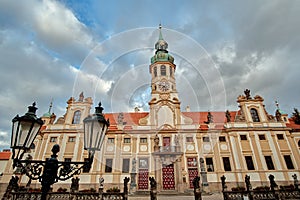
[{"x": 247, "y": 93}]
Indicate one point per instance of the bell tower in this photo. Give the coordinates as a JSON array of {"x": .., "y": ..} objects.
[{"x": 164, "y": 103}]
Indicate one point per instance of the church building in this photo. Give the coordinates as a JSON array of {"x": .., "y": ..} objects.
[{"x": 172, "y": 145}]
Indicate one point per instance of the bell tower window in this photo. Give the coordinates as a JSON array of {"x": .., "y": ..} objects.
[
  {"x": 171, "y": 72},
  {"x": 254, "y": 115},
  {"x": 76, "y": 117},
  {"x": 155, "y": 71},
  {"x": 163, "y": 71}
]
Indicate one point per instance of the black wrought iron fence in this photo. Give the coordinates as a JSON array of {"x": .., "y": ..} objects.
[
  {"x": 16, "y": 193},
  {"x": 69, "y": 196},
  {"x": 261, "y": 193}
]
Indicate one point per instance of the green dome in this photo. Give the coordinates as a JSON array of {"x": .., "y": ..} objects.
[
  {"x": 162, "y": 56},
  {"x": 161, "y": 53},
  {"x": 47, "y": 114}
]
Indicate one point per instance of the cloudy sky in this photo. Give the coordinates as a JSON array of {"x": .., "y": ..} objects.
[{"x": 52, "y": 50}]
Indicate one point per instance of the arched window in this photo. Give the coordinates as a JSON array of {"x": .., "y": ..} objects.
[
  {"x": 254, "y": 115},
  {"x": 163, "y": 70},
  {"x": 155, "y": 71},
  {"x": 76, "y": 117}
]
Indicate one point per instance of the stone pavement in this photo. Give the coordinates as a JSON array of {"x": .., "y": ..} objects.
[{"x": 216, "y": 196}]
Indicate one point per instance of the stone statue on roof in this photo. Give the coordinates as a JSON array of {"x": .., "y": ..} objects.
[
  {"x": 247, "y": 93},
  {"x": 120, "y": 118},
  {"x": 228, "y": 117},
  {"x": 209, "y": 118},
  {"x": 296, "y": 116},
  {"x": 52, "y": 118},
  {"x": 81, "y": 97},
  {"x": 278, "y": 115}
]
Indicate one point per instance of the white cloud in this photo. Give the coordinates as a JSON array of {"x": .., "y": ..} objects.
[
  {"x": 43, "y": 46},
  {"x": 57, "y": 26},
  {"x": 50, "y": 24},
  {"x": 226, "y": 53}
]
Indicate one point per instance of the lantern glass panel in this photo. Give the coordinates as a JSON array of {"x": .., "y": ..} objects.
[
  {"x": 95, "y": 135},
  {"x": 35, "y": 129},
  {"x": 101, "y": 133},
  {"x": 87, "y": 131},
  {"x": 22, "y": 135},
  {"x": 15, "y": 131},
  {"x": 98, "y": 135}
]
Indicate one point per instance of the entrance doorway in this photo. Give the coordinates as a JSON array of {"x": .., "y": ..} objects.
[
  {"x": 192, "y": 174},
  {"x": 143, "y": 176},
  {"x": 168, "y": 177},
  {"x": 192, "y": 169}
]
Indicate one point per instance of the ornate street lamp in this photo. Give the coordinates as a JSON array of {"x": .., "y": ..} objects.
[
  {"x": 25, "y": 130},
  {"x": 95, "y": 127}
]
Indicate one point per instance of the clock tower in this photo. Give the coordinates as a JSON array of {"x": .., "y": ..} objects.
[{"x": 164, "y": 104}]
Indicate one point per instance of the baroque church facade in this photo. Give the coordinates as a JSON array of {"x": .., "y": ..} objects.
[{"x": 175, "y": 146}]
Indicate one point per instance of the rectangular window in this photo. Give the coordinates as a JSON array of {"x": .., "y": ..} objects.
[
  {"x": 166, "y": 141},
  {"x": 108, "y": 165},
  {"x": 86, "y": 168},
  {"x": 71, "y": 139},
  {"x": 192, "y": 162},
  {"x": 222, "y": 139},
  {"x": 189, "y": 139},
  {"x": 53, "y": 139},
  {"x": 110, "y": 140},
  {"x": 143, "y": 163},
  {"x": 288, "y": 162},
  {"x": 249, "y": 162},
  {"x": 262, "y": 137},
  {"x": 163, "y": 71},
  {"x": 205, "y": 139},
  {"x": 280, "y": 137},
  {"x": 125, "y": 167},
  {"x": 209, "y": 164},
  {"x": 243, "y": 137},
  {"x": 269, "y": 162},
  {"x": 226, "y": 163},
  {"x": 127, "y": 140},
  {"x": 143, "y": 140}
]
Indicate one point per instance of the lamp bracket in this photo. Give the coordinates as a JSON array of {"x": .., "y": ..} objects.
[{"x": 34, "y": 168}]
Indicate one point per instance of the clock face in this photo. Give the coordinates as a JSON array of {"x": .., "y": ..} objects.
[{"x": 164, "y": 86}]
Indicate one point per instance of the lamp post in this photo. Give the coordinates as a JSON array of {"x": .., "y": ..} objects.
[{"x": 25, "y": 130}]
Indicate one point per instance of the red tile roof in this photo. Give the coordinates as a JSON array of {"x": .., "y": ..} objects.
[
  {"x": 201, "y": 117},
  {"x": 293, "y": 125},
  {"x": 132, "y": 119},
  {"x": 5, "y": 155}
]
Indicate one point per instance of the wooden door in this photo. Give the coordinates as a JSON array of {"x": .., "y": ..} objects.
[
  {"x": 193, "y": 172},
  {"x": 143, "y": 176},
  {"x": 168, "y": 177}
]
